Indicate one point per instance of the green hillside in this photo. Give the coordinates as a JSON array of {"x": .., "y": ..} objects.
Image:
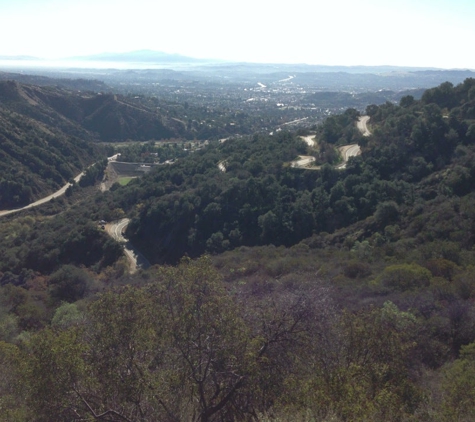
[
  {"x": 92, "y": 115},
  {"x": 277, "y": 293},
  {"x": 418, "y": 151},
  {"x": 41, "y": 149},
  {"x": 50, "y": 134}
]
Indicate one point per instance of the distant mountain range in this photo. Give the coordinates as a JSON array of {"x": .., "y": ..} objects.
[
  {"x": 140, "y": 56},
  {"x": 19, "y": 57},
  {"x": 158, "y": 57}
]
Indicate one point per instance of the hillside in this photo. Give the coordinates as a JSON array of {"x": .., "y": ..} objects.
[
  {"x": 82, "y": 84},
  {"x": 50, "y": 134},
  {"x": 327, "y": 295},
  {"x": 105, "y": 117},
  {"x": 38, "y": 158},
  {"x": 195, "y": 207}
]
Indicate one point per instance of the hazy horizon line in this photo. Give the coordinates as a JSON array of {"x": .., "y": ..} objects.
[{"x": 120, "y": 57}]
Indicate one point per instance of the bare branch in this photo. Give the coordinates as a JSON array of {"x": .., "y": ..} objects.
[{"x": 100, "y": 415}]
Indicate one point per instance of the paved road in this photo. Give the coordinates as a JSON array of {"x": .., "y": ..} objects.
[
  {"x": 116, "y": 229},
  {"x": 53, "y": 195},
  {"x": 294, "y": 121},
  {"x": 45, "y": 199}
]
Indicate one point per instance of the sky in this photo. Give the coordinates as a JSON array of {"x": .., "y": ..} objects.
[{"x": 420, "y": 33}]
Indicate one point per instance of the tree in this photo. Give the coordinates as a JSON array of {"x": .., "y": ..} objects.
[
  {"x": 173, "y": 350},
  {"x": 458, "y": 386},
  {"x": 371, "y": 110},
  {"x": 269, "y": 225},
  {"x": 471, "y": 133},
  {"x": 386, "y": 213},
  {"x": 12, "y": 387},
  {"x": 127, "y": 339},
  {"x": 209, "y": 341},
  {"x": 355, "y": 367},
  {"x": 406, "y": 101},
  {"x": 67, "y": 315},
  {"x": 56, "y": 373},
  {"x": 69, "y": 284}
]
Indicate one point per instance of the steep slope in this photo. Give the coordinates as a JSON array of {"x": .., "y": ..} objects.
[
  {"x": 104, "y": 116},
  {"x": 40, "y": 149},
  {"x": 115, "y": 118},
  {"x": 57, "y": 80},
  {"x": 49, "y": 134},
  {"x": 36, "y": 159}
]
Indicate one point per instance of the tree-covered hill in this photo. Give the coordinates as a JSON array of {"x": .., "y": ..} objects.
[
  {"x": 50, "y": 134},
  {"x": 91, "y": 115},
  {"x": 37, "y": 159},
  {"x": 194, "y": 206},
  {"x": 330, "y": 295},
  {"x": 59, "y": 81},
  {"x": 421, "y": 152}
]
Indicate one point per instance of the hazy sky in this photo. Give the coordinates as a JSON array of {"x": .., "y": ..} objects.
[{"x": 439, "y": 33}]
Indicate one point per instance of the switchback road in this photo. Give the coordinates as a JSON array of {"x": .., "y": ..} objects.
[{"x": 353, "y": 150}]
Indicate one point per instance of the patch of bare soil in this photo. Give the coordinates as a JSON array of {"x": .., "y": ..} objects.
[{"x": 110, "y": 177}]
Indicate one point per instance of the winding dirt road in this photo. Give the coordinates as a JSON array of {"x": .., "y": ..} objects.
[
  {"x": 348, "y": 151},
  {"x": 353, "y": 150},
  {"x": 310, "y": 140},
  {"x": 362, "y": 125},
  {"x": 304, "y": 161}
]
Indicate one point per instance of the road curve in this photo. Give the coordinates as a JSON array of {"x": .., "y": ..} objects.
[
  {"x": 353, "y": 150},
  {"x": 303, "y": 161},
  {"x": 309, "y": 140},
  {"x": 116, "y": 229},
  {"x": 348, "y": 151},
  {"x": 362, "y": 125}
]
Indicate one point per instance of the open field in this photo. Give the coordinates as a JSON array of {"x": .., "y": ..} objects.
[{"x": 123, "y": 181}]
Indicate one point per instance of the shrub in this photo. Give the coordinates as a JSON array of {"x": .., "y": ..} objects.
[
  {"x": 356, "y": 269},
  {"x": 405, "y": 277}
]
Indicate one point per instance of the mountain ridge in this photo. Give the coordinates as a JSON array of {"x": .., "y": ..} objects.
[
  {"x": 50, "y": 134},
  {"x": 157, "y": 57}
]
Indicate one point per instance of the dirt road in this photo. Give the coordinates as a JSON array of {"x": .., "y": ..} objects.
[
  {"x": 348, "y": 151},
  {"x": 310, "y": 140},
  {"x": 353, "y": 150},
  {"x": 303, "y": 161},
  {"x": 362, "y": 125}
]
